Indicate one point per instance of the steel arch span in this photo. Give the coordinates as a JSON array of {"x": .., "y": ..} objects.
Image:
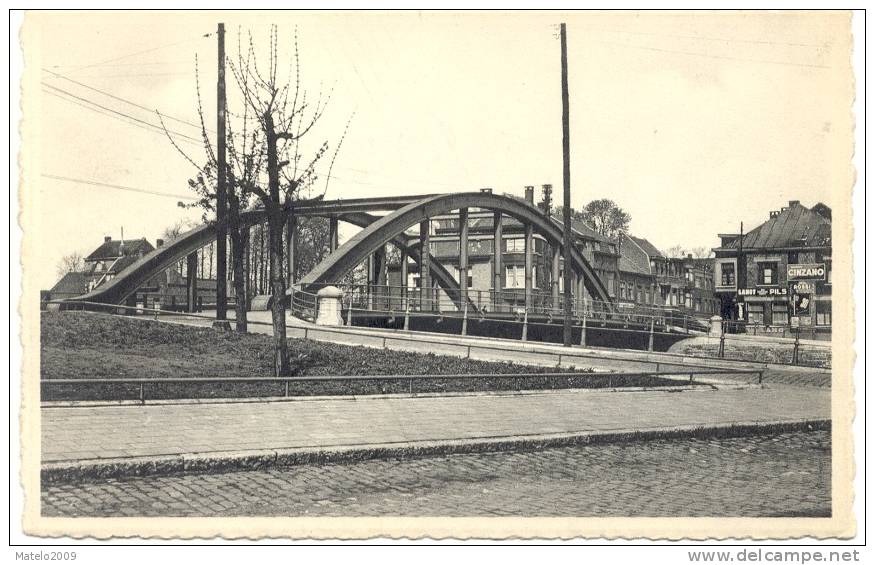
[
  {"x": 385, "y": 229},
  {"x": 137, "y": 274}
]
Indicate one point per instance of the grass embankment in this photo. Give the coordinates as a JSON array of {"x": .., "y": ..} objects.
[
  {"x": 809, "y": 356},
  {"x": 80, "y": 345}
]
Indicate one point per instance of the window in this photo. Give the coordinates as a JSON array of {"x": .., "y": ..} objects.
[
  {"x": 768, "y": 273},
  {"x": 829, "y": 273},
  {"x": 727, "y": 274},
  {"x": 413, "y": 280},
  {"x": 458, "y": 279},
  {"x": 755, "y": 314},
  {"x": 516, "y": 276},
  {"x": 824, "y": 313},
  {"x": 517, "y": 245},
  {"x": 779, "y": 315}
]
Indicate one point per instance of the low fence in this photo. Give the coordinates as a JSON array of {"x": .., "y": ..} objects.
[{"x": 385, "y": 384}]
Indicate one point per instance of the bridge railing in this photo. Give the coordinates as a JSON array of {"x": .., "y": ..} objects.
[{"x": 393, "y": 299}]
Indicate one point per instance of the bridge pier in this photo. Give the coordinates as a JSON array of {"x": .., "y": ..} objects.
[
  {"x": 529, "y": 266},
  {"x": 291, "y": 248},
  {"x": 554, "y": 276},
  {"x": 463, "y": 256},
  {"x": 425, "y": 294},
  {"x": 404, "y": 276},
  {"x": 191, "y": 281},
  {"x": 496, "y": 261},
  {"x": 333, "y": 237}
]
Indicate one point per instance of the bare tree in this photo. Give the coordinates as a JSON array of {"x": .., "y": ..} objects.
[
  {"x": 265, "y": 142},
  {"x": 71, "y": 263}
]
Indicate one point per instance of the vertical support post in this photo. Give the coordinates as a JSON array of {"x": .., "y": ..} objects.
[
  {"x": 525, "y": 336},
  {"x": 404, "y": 276},
  {"x": 566, "y": 185},
  {"x": 529, "y": 266},
  {"x": 191, "y": 281},
  {"x": 650, "y": 337},
  {"x": 222, "y": 186},
  {"x": 291, "y": 247},
  {"x": 554, "y": 278},
  {"x": 496, "y": 261},
  {"x": 583, "y": 330},
  {"x": 575, "y": 293},
  {"x": 380, "y": 278},
  {"x": 721, "y": 352},
  {"x": 333, "y": 237},
  {"x": 465, "y": 318},
  {"x": 796, "y": 348},
  {"x": 369, "y": 287},
  {"x": 463, "y": 256},
  {"x": 407, "y": 318},
  {"x": 425, "y": 265}
]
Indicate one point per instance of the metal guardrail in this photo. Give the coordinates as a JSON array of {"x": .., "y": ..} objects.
[{"x": 518, "y": 379}]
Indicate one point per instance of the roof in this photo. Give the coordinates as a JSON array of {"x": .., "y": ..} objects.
[
  {"x": 633, "y": 258},
  {"x": 122, "y": 263},
  {"x": 111, "y": 249},
  {"x": 71, "y": 283},
  {"x": 648, "y": 247},
  {"x": 793, "y": 226}
]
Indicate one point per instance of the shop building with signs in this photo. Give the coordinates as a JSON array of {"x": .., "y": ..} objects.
[{"x": 778, "y": 276}]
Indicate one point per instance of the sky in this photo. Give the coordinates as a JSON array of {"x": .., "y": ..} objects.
[{"x": 692, "y": 122}]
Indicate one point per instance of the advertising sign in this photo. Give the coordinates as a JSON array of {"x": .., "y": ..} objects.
[
  {"x": 806, "y": 272},
  {"x": 762, "y": 292},
  {"x": 802, "y": 287},
  {"x": 802, "y": 304}
]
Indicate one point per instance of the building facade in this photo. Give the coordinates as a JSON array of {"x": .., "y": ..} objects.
[
  {"x": 600, "y": 251},
  {"x": 778, "y": 276}
]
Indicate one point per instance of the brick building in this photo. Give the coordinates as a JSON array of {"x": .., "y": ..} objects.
[
  {"x": 112, "y": 257},
  {"x": 779, "y": 274},
  {"x": 600, "y": 251}
]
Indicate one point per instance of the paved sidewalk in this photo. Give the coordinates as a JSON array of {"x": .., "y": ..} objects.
[{"x": 72, "y": 434}]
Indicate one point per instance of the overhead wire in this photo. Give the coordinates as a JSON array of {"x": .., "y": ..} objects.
[{"x": 117, "y": 187}]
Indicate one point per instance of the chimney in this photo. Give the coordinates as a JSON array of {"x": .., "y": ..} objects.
[
  {"x": 530, "y": 194},
  {"x": 689, "y": 255},
  {"x": 794, "y": 203},
  {"x": 486, "y": 190},
  {"x": 107, "y": 238},
  {"x": 159, "y": 242}
]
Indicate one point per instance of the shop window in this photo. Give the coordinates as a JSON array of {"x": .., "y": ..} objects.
[
  {"x": 768, "y": 273},
  {"x": 727, "y": 274},
  {"x": 755, "y": 314},
  {"x": 824, "y": 314},
  {"x": 780, "y": 315}
]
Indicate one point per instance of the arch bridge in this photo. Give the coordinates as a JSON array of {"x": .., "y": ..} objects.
[{"x": 399, "y": 214}]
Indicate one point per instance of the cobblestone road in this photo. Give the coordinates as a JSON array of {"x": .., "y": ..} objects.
[{"x": 768, "y": 475}]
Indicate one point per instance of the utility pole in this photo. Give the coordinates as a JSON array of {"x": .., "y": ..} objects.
[
  {"x": 566, "y": 190},
  {"x": 221, "y": 189}
]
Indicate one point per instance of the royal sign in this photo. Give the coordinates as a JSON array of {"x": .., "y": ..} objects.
[{"x": 806, "y": 272}]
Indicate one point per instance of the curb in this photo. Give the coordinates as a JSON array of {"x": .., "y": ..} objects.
[{"x": 226, "y": 461}]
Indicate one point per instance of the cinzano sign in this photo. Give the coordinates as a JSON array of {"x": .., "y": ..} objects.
[{"x": 806, "y": 272}]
